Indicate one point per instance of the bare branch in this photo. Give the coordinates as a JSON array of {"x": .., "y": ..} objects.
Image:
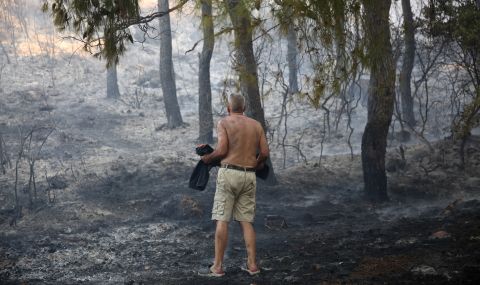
[
  {"x": 223, "y": 31},
  {"x": 150, "y": 17}
]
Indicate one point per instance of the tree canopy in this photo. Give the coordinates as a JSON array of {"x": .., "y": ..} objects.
[{"x": 101, "y": 25}]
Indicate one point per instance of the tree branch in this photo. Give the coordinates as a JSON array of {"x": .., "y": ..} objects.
[
  {"x": 150, "y": 17},
  {"x": 221, "y": 32}
]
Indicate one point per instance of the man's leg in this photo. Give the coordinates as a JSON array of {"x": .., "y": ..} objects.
[
  {"x": 221, "y": 239},
  {"x": 250, "y": 244}
]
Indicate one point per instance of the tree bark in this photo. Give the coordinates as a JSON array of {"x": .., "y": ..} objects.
[
  {"x": 167, "y": 74},
  {"x": 204, "y": 87},
  {"x": 112, "y": 82},
  {"x": 246, "y": 66},
  {"x": 380, "y": 100},
  {"x": 5, "y": 53},
  {"x": 245, "y": 63},
  {"x": 407, "y": 66},
  {"x": 4, "y": 159},
  {"x": 340, "y": 46},
  {"x": 292, "y": 52}
]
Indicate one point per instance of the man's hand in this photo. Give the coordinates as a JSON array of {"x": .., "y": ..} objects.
[
  {"x": 206, "y": 158},
  {"x": 260, "y": 165}
]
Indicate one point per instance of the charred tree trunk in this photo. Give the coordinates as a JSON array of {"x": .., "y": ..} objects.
[
  {"x": 292, "y": 52},
  {"x": 112, "y": 82},
  {"x": 204, "y": 88},
  {"x": 340, "y": 45},
  {"x": 380, "y": 99},
  {"x": 4, "y": 158},
  {"x": 245, "y": 63},
  {"x": 5, "y": 52},
  {"x": 407, "y": 66},
  {"x": 246, "y": 66},
  {"x": 167, "y": 74}
]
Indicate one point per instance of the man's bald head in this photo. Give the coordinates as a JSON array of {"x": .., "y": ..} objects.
[{"x": 236, "y": 102}]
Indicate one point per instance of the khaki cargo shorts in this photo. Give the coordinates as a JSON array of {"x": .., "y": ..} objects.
[{"x": 235, "y": 195}]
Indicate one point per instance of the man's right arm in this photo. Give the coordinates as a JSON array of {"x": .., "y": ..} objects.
[
  {"x": 263, "y": 149},
  {"x": 221, "y": 150}
]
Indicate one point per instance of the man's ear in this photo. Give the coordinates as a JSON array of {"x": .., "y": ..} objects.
[{"x": 228, "y": 108}]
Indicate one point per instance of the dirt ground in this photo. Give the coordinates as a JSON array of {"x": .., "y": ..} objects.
[{"x": 141, "y": 224}]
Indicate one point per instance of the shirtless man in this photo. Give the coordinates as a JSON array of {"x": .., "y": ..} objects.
[{"x": 239, "y": 139}]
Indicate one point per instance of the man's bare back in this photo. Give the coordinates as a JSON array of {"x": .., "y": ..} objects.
[
  {"x": 239, "y": 139},
  {"x": 244, "y": 136}
]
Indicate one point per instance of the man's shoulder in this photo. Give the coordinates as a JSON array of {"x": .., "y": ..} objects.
[
  {"x": 254, "y": 124},
  {"x": 253, "y": 121},
  {"x": 229, "y": 119},
  {"x": 222, "y": 121}
]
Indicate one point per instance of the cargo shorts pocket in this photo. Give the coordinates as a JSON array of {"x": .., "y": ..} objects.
[{"x": 219, "y": 206}]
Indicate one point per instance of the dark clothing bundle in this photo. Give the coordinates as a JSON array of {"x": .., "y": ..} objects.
[{"x": 200, "y": 175}]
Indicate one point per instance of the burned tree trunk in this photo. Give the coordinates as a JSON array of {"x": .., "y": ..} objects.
[
  {"x": 245, "y": 63},
  {"x": 380, "y": 98},
  {"x": 246, "y": 66},
  {"x": 167, "y": 74},
  {"x": 292, "y": 58},
  {"x": 204, "y": 88},
  {"x": 4, "y": 158},
  {"x": 5, "y": 52},
  {"x": 112, "y": 82},
  {"x": 407, "y": 66}
]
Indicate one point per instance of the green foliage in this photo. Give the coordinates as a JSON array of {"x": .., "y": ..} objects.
[
  {"x": 330, "y": 33},
  {"x": 458, "y": 24},
  {"x": 101, "y": 25},
  {"x": 468, "y": 119},
  {"x": 457, "y": 21}
]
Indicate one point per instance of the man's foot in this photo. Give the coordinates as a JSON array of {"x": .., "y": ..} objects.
[
  {"x": 211, "y": 272},
  {"x": 252, "y": 270}
]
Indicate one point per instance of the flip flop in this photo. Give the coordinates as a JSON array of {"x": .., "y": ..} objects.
[
  {"x": 211, "y": 273},
  {"x": 250, "y": 271}
]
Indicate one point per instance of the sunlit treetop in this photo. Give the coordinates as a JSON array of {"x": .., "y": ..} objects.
[
  {"x": 101, "y": 25},
  {"x": 96, "y": 23}
]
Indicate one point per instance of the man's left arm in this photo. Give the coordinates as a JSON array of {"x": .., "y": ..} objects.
[
  {"x": 263, "y": 151},
  {"x": 221, "y": 150}
]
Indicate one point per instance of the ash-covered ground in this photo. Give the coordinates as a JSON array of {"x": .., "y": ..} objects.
[
  {"x": 137, "y": 222},
  {"x": 114, "y": 205}
]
